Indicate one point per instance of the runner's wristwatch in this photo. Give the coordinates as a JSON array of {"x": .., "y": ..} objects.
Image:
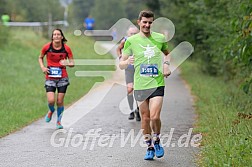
[{"x": 167, "y": 62}]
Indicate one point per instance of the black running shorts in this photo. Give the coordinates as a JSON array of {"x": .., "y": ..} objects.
[{"x": 141, "y": 95}]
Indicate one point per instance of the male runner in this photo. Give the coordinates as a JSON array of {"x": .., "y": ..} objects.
[
  {"x": 148, "y": 48},
  {"x": 129, "y": 75}
]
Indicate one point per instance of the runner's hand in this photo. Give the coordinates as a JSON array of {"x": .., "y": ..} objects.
[
  {"x": 63, "y": 62},
  {"x": 67, "y": 62},
  {"x": 131, "y": 60},
  {"x": 166, "y": 70},
  {"x": 45, "y": 70}
]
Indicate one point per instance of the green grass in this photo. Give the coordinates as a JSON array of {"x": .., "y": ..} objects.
[
  {"x": 223, "y": 119},
  {"x": 22, "y": 94}
]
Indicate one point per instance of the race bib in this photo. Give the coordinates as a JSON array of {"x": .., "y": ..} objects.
[
  {"x": 149, "y": 70},
  {"x": 55, "y": 72}
]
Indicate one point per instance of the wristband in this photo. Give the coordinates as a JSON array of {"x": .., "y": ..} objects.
[{"x": 167, "y": 62}]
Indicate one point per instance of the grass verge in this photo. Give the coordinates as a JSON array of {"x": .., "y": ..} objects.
[
  {"x": 22, "y": 93},
  {"x": 224, "y": 119}
]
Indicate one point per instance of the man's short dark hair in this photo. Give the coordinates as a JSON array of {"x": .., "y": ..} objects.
[{"x": 145, "y": 13}]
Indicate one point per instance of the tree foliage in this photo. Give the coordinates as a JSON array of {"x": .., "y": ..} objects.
[
  {"x": 33, "y": 10},
  {"x": 133, "y": 8},
  {"x": 153, "y": 5},
  {"x": 220, "y": 31},
  {"x": 79, "y": 10},
  {"x": 107, "y": 13}
]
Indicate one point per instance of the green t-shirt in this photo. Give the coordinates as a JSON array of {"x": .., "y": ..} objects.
[
  {"x": 147, "y": 52},
  {"x": 5, "y": 19}
]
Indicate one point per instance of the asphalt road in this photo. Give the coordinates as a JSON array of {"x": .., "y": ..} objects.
[{"x": 98, "y": 133}]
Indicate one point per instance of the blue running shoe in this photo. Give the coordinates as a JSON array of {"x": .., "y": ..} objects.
[
  {"x": 159, "y": 150},
  {"x": 48, "y": 116},
  {"x": 149, "y": 154},
  {"x": 59, "y": 126}
]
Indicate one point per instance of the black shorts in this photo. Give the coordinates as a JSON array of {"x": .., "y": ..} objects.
[
  {"x": 59, "y": 84},
  {"x": 141, "y": 95},
  {"x": 61, "y": 89}
]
